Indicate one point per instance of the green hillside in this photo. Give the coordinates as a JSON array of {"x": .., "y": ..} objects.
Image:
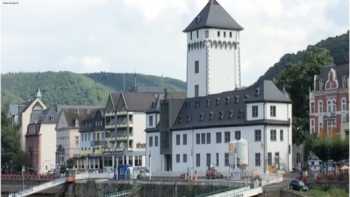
[
  {"x": 338, "y": 47},
  {"x": 127, "y": 81},
  {"x": 56, "y": 88},
  {"x": 72, "y": 88}
]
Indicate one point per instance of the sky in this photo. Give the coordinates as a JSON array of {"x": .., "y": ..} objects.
[{"x": 145, "y": 36}]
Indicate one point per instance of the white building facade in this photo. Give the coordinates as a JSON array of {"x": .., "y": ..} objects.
[
  {"x": 190, "y": 135},
  {"x": 213, "y": 52}
]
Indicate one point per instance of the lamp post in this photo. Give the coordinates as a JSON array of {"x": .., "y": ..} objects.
[{"x": 22, "y": 172}]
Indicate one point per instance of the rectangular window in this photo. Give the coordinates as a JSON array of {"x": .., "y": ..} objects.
[
  {"x": 269, "y": 159},
  {"x": 184, "y": 158},
  {"x": 208, "y": 159},
  {"x": 177, "y": 158},
  {"x": 206, "y": 34},
  {"x": 230, "y": 34},
  {"x": 196, "y": 90},
  {"x": 184, "y": 139},
  {"x": 197, "y": 32},
  {"x": 198, "y": 138},
  {"x": 191, "y": 35},
  {"x": 150, "y": 120},
  {"x": 277, "y": 159},
  {"x": 156, "y": 141},
  {"x": 217, "y": 159},
  {"x": 150, "y": 141},
  {"x": 218, "y": 33},
  {"x": 196, "y": 66},
  {"x": 255, "y": 111},
  {"x": 203, "y": 138},
  {"x": 177, "y": 139},
  {"x": 257, "y": 159},
  {"x": 257, "y": 135},
  {"x": 281, "y": 135},
  {"x": 218, "y": 137},
  {"x": 208, "y": 138},
  {"x": 198, "y": 160},
  {"x": 226, "y": 159},
  {"x": 224, "y": 34},
  {"x": 237, "y": 135},
  {"x": 227, "y": 136},
  {"x": 273, "y": 135},
  {"x": 273, "y": 111}
]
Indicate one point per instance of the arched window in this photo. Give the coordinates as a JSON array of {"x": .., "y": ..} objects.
[
  {"x": 320, "y": 106},
  {"x": 329, "y": 106},
  {"x": 334, "y": 105}
]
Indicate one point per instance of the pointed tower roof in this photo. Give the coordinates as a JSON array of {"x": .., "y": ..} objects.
[
  {"x": 38, "y": 94},
  {"x": 213, "y": 15}
]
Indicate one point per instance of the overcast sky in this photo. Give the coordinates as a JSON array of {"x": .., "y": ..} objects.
[{"x": 145, "y": 36}]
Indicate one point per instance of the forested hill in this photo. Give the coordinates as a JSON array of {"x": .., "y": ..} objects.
[
  {"x": 120, "y": 81},
  {"x": 338, "y": 47},
  {"x": 81, "y": 89}
]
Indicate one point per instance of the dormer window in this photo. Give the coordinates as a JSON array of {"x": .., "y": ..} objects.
[
  {"x": 217, "y": 101},
  {"x": 211, "y": 114},
  {"x": 236, "y": 99},
  {"x": 188, "y": 118},
  {"x": 221, "y": 115},
  {"x": 246, "y": 96},
  {"x": 197, "y": 104},
  {"x": 257, "y": 91},
  {"x": 208, "y": 103},
  {"x": 227, "y": 100},
  {"x": 201, "y": 117},
  {"x": 230, "y": 114}
]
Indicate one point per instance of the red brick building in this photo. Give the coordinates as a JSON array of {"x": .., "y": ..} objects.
[{"x": 329, "y": 102}]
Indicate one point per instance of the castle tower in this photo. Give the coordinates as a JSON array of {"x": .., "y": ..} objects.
[{"x": 213, "y": 53}]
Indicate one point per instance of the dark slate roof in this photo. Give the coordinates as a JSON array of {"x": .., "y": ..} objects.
[
  {"x": 341, "y": 71},
  {"x": 72, "y": 113},
  {"x": 92, "y": 117},
  {"x": 213, "y": 15},
  {"x": 49, "y": 116},
  {"x": 227, "y": 108},
  {"x": 155, "y": 106},
  {"x": 139, "y": 101}
]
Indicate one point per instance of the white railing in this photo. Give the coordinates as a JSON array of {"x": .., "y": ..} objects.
[
  {"x": 241, "y": 192},
  {"x": 59, "y": 181},
  {"x": 39, "y": 188}
]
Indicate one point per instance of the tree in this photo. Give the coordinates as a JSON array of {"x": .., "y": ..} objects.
[
  {"x": 298, "y": 79},
  {"x": 12, "y": 157}
]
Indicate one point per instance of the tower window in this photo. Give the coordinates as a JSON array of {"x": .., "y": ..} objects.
[
  {"x": 218, "y": 33},
  {"x": 196, "y": 66},
  {"x": 196, "y": 90}
]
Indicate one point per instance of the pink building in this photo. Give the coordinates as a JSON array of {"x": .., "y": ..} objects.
[{"x": 329, "y": 102}]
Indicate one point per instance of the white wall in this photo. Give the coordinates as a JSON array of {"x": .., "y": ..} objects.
[
  {"x": 139, "y": 126},
  {"x": 218, "y": 66},
  {"x": 47, "y": 148},
  {"x": 154, "y": 151}
]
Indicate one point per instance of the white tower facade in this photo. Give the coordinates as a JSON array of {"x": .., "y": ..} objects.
[{"x": 213, "y": 52}]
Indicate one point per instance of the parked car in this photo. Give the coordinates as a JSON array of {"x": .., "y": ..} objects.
[
  {"x": 298, "y": 185},
  {"x": 212, "y": 173}
]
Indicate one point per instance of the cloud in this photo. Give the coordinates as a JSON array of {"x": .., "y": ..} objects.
[{"x": 146, "y": 36}]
